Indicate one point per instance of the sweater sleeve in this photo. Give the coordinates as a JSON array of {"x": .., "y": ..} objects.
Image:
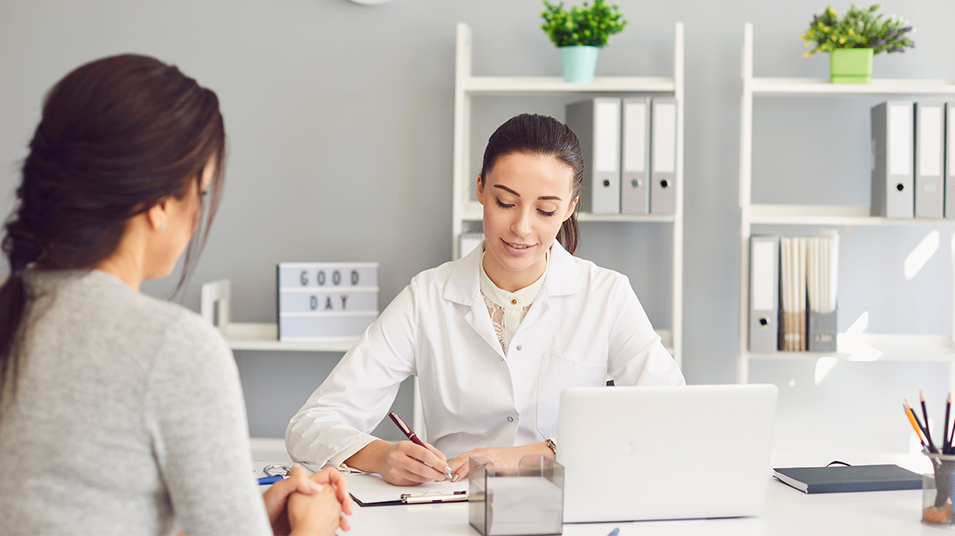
[{"x": 196, "y": 416}]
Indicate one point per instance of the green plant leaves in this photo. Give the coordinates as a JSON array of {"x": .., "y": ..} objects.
[
  {"x": 858, "y": 28},
  {"x": 582, "y": 25}
]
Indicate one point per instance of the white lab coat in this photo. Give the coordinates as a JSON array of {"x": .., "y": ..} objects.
[{"x": 586, "y": 324}]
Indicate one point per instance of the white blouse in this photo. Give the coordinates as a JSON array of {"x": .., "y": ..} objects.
[{"x": 507, "y": 309}]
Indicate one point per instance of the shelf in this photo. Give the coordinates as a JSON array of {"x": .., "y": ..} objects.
[
  {"x": 538, "y": 85},
  {"x": 588, "y": 217},
  {"x": 831, "y": 215},
  {"x": 879, "y": 347},
  {"x": 264, "y": 337},
  {"x": 820, "y": 87}
]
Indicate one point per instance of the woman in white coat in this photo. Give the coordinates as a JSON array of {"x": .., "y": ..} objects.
[{"x": 494, "y": 337}]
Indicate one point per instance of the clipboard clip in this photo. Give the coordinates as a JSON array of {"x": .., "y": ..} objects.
[{"x": 434, "y": 497}]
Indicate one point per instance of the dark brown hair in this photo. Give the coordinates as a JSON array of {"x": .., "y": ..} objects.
[
  {"x": 116, "y": 136},
  {"x": 542, "y": 135}
]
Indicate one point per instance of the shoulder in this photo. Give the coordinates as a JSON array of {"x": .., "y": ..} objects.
[{"x": 590, "y": 277}]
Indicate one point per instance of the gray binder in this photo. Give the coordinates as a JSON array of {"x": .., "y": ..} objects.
[
  {"x": 929, "y": 159},
  {"x": 663, "y": 119},
  {"x": 635, "y": 177},
  {"x": 892, "y": 169},
  {"x": 597, "y": 125},
  {"x": 763, "y": 293},
  {"x": 822, "y": 331},
  {"x": 949, "y": 160}
]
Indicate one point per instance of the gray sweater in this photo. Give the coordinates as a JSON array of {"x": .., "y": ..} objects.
[{"x": 129, "y": 419}]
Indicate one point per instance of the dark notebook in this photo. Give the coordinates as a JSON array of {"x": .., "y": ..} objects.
[{"x": 840, "y": 479}]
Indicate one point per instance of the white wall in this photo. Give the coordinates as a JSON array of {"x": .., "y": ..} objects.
[{"x": 340, "y": 122}]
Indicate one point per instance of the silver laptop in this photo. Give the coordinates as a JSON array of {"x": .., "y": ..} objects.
[{"x": 641, "y": 453}]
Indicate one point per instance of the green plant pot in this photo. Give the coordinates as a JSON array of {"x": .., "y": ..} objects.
[
  {"x": 850, "y": 66},
  {"x": 580, "y": 63}
]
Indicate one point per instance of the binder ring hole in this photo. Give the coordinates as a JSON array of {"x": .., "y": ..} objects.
[
  {"x": 636, "y": 183},
  {"x": 900, "y": 186},
  {"x": 763, "y": 321},
  {"x": 606, "y": 183},
  {"x": 664, "y": 183}
]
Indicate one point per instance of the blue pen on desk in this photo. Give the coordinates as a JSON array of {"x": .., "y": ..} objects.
[
  {"x": 268, "y": 480},
  {"x": 614, "y": 532}
]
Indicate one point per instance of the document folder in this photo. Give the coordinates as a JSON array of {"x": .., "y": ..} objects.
[
  {"x": 929, "y": 159},
  {"x": 663, "y": 119},
  {"x": 763, "y": 293},
  {"x": 597, "y": 125},
  {"x": 949, "y": 160},
  {"x": 892, "y": 169},
  {"x": 823, "y": 274},
  {"x": 635, "y": 183}
]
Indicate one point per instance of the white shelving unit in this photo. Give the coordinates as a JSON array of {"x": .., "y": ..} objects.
[
  {"x": 214, "y": 307},
  {"x": 466, "y": 86},
  {"x": 854, "y": 347}
]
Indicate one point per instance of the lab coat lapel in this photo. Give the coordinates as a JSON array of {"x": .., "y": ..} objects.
[
  {"x": 561, "y": 280},
  {"x": 464, "y": 287}
]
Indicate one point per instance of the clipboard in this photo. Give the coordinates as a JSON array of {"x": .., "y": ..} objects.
[{"x": 370, "y": 490}]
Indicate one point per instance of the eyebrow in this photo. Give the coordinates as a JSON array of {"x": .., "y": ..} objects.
[{"x": 542, "y": 198}]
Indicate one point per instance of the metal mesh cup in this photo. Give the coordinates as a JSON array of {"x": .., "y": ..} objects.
[{"x": 937, "y": 502}]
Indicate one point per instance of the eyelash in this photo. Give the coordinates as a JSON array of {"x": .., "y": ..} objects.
[{"x": 543, "y": 212}]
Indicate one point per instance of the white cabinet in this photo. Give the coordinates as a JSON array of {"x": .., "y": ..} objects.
[
  {"x": 466, "y": 212},
  {"x": 856, "y": 347}
]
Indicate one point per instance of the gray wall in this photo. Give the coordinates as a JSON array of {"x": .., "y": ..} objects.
[{"x": 340, "y": 120}]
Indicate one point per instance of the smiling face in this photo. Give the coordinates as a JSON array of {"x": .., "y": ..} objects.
[{"x": 526, "y": 198}]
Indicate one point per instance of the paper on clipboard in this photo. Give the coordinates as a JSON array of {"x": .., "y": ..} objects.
[{"x": 371, "y": 490}]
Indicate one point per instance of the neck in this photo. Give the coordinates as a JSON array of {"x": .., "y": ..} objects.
[
  {"x": 509, "y": 281},
  {"x": 126, "y": 262}
]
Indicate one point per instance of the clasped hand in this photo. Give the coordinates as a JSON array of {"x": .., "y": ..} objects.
[{"x": 309, "y": 505}]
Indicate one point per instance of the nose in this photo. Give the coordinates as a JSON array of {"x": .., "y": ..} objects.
[{"x": 521, "y": 226}]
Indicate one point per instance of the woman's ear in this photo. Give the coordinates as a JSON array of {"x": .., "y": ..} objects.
[
  {"x": 479, "y": 190},
  {"x": 571, "y": 207},
  {"x": 158, "y": 215}
]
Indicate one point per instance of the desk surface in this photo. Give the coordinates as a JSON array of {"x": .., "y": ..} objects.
[{"x": 787, "y": 512}]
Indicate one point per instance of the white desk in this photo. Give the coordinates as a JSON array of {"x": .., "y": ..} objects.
[{"x": 787, "y": 511}]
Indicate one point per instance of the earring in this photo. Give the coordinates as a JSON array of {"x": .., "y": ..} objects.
[{"x": 162, "y": 226}]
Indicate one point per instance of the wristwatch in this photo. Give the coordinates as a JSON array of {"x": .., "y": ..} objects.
[{"x": 552, "y": 445}]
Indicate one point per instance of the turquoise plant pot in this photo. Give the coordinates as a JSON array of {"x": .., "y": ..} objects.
[{"x": 580, "y": 63}]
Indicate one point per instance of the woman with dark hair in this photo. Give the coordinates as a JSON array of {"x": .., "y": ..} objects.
[
  {"x": 494, "y": 337},
  {"x": 121, "y": 413}
]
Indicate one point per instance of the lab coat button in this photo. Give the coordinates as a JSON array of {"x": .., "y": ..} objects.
[
  {"x": 502, "y": 359},
  {"x": 519, "y": 347},
  {"x": 510, "y": 419}
]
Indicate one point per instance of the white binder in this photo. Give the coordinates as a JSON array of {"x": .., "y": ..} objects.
[
  {"x": 763, "y": 294},
  {"x": 634, "y": 181},
  {"x": 929, "y": 159},
  {"x": 949, "y": 160},
  {"x": 892, "y": 169},
  {"x": 597, "y": 125},
  {"x": 663, "y": 156}
]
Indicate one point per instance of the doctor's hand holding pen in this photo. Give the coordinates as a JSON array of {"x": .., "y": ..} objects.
[
  {"x": 406, "y": 463},
  {"x": 508, "y": 457}
]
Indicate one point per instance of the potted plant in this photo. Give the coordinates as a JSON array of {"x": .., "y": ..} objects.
[
  {"x": 852, "y": 40},
  {"x": 580, "y": 33}
]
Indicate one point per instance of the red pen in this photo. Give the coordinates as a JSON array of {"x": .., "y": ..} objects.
[{"x": 413, "y": 437}]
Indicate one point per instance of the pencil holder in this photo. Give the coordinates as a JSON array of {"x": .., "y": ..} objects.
[
  {"x": 937, "y": 491},
  {"x": 526, "y": 500}
]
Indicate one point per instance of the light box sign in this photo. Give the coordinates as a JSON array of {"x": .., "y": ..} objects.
[{"x": 326, "y": 300}]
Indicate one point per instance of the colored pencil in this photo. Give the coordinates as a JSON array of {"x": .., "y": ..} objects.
[
  {"x": 928, "y": 434},
  {"x": 918, "y": 433},
  {"x": 928, "y": 438},
  {"x": 946, "y": 442}
]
